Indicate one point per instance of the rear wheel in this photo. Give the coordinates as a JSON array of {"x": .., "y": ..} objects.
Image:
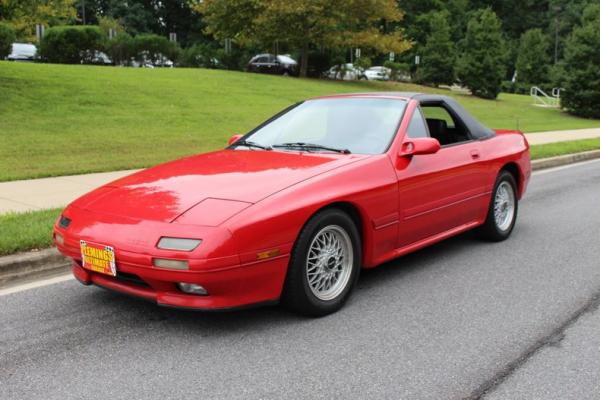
[
  {"x": 502, "y": 211},
  {"x": 324, "y": 265}
]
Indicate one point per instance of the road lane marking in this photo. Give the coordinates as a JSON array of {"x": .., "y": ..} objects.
[{"x": 36, "y": 284}]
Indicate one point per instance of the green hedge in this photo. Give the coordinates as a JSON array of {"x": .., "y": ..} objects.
[
  {"x": 150, "y": 47},
  {"x": 121, "y": 49},
  {"x": 7, "y": 37},
  {"x": 71, "y": 44}
]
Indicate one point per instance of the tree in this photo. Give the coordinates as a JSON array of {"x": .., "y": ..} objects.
[
  {"x": 7, "y": 37},
  {"x": 148, "y": 16},
  {"x": 582, "y": 75},
  {"x": 108, "y": 23},
  {"x": 481, "y": 66},
  {"x": 23, "y": 15},
  {"x": 306, "y": 23},
  {"x": 563, "y": 17},
  {"x": 438, "y": 54},
  {"x": 533, "y": 58},
  {"x": 418, "y": 13},
  {"x": 517, "y": 16}
]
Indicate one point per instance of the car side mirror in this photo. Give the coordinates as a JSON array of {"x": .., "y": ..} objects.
[
  {"x": 418, "y": 146},
  {"x": 234, "y": 139}
]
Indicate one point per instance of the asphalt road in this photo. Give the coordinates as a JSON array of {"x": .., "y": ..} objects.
[{"x": 462, "y": 319}]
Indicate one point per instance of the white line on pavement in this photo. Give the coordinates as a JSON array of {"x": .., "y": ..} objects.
[{"x": 36, "y": 284}]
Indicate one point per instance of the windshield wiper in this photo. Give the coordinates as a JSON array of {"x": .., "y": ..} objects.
[
  {"x": 310, "y": 146},
  {"x": 249, "y": 143}
]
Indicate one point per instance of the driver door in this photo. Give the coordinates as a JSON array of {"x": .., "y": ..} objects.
[{"x": 437, "y": 192}]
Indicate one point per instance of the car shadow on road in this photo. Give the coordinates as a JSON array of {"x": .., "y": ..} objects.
[{"x": 138, "y": 312}]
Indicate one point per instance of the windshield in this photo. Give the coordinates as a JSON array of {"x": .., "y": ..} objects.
[{"x": 359, "y": 125}]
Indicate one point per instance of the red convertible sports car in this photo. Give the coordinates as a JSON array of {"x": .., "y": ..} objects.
[{"x": 294, "y": 209}]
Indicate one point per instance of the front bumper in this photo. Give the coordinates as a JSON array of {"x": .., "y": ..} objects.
[
  {"x": 229, "y": 287},
  {"x": 231, "y": 282},
  {"x": 233, "y": 277}
]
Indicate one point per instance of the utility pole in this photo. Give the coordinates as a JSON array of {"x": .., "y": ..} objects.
[{"x": 83, "y": 11}]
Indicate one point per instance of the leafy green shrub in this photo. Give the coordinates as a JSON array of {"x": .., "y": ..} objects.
[
  {"x": 71, "y": 44},
  {"x": 362, "y": 63},
  {"x": 581, "y": 73},
  {"x": 397, "y": 70},
  {"x": 7, "y": 37},
  {"x": 150, "y": 47},
  {"x": 236, "y": 59},
  {"x": 481, "y": 66},
  {"x": 200, "y": 55},
  {"x": 121, "y": 49}
]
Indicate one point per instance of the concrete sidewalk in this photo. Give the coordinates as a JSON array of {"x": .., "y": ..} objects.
[
  {"x": 38, "y": 194},
  {"x": 562, "y": 136}
]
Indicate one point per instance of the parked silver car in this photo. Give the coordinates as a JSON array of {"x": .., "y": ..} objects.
[
  {"x": 378, "y": 73},
  {"x": 22, "y": 52},
  {"x": 347, "y": 72}
]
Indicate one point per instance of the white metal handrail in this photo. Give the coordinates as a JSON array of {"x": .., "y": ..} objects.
[{"x": 542, "y": 99}]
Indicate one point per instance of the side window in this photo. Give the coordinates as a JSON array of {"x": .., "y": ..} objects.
[
  {"x": 417, "y": 128},
  {"x": 439, "y": 113},
  {"x": 443, "y": 126}
]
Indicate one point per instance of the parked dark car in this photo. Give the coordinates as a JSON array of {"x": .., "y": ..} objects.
[{"x": 273, "y": 64}]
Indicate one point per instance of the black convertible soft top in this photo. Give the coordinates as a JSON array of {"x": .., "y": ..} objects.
[{"x": 475, "y": 128}]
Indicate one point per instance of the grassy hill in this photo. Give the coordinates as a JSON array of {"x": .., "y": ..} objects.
[{"x": 58, "y": 119}]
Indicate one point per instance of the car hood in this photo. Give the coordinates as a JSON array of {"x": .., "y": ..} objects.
[{"x": 225, "y": 181}]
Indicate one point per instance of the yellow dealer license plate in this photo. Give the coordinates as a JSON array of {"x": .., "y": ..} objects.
[{"x": 98, "y": 258}]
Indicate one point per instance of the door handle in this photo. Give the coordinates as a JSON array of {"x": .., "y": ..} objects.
[{"x": 475, "y": 154}]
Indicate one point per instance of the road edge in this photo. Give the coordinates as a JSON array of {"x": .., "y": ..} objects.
[
  {"x": 20, "y": 266},
  {"x": 551, "y": 162},
  {"x": 27, "y": 265}
]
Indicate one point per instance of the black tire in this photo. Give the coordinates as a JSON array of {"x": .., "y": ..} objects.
[
  {"x": 490, "y": 230},
  {"x": 297, "y": 294}
]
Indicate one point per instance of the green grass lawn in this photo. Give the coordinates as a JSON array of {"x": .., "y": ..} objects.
[
  {"x": 26, "y": 231},
  {"x": 59, "y": 119},
  {"x": 557, "y": 149}
]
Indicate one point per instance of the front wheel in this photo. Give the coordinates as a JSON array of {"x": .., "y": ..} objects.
[
  {"x": 324, "y": 265},
  {"x": 502, "y": 211}
]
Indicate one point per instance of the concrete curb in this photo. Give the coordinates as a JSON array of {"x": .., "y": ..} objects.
[
  {"x": 31, "y": 264},
  {"x": 50, "y": 261},
  {"x": 564, "y": 160}
]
